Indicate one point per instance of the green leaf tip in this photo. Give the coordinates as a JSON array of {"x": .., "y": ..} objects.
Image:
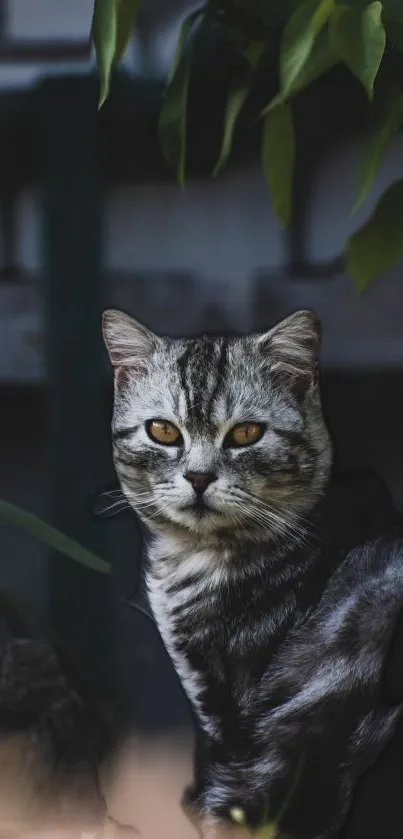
[
  {"x": 278, "y": 155},
  {"x": 358, "y": 39},
  {"x": 299, "y": 36},
  {"x": 52, "y": 537},
  {"x": 378, "y": 245},
  {"x": 172, "y": 125},
  {"x": 112, "y": 25},
  {"x": 235, "y": 102},
  {"x": 387, "y": 118}
]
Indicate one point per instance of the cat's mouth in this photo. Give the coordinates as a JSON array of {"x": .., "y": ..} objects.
[
  {"x": 200, "y": 507},
  {"x": 200, "y": 516}
]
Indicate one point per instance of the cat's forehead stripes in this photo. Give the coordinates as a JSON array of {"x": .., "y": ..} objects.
[{"x": 201, "y": 368}]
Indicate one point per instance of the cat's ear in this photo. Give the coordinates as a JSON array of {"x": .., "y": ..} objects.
[
  {"x": 129, "y": 343},
  {"x": 291, "y": 350}
]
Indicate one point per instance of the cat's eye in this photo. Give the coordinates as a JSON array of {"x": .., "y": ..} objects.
[
  {"x": 164, "y": 432},
  {"x": 244, "y": 434}
]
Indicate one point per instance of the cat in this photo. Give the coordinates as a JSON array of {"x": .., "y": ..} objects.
[{"x": 275, "y": 601}]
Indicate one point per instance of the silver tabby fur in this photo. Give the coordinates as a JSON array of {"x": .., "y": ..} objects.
[{"x": 233, "y": 587}]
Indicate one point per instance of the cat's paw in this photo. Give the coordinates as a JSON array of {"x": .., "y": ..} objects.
[{"x": 191, "y": 804}]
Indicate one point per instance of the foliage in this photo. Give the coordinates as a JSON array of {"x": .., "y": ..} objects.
[
  {"x": 306, "y": 38},
  {"x": 52, "y": 537}
]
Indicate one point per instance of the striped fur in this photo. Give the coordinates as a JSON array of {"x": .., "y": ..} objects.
[{"x": 257, "y": 597}]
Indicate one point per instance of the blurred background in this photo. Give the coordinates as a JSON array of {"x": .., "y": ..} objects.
[{"x": 90, "y": 217}]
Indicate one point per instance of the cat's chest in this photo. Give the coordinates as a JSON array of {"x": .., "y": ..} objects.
[
  {"x": 219, "y": 641},
  {"x": 185, "y": 612}
]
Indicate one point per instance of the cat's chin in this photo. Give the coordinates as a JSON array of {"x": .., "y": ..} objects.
[{"x": 199, "y": 519}]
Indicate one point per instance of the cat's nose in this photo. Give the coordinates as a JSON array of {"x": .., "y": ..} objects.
[{"x": 200, "y": 480}]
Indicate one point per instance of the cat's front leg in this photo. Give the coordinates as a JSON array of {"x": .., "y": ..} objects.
[{"x": 240, "y": 822}]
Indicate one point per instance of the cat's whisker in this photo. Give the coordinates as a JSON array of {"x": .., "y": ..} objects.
[
  {"x": 117, "y": 506},
  {"x": 267, "y": 518},
  {"x": 264, "y": 512},
  {"x": 113, "y": 492},
  {"x": 264, "y": 520},
  {"x": 292, "y": 523}
]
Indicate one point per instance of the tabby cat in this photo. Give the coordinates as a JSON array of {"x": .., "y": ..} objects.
[{"x": 275, "y": 603}]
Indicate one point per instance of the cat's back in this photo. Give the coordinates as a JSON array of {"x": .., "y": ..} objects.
[
  {"x": 346, "y": 638},
  {"x": 370, "y": 573}
]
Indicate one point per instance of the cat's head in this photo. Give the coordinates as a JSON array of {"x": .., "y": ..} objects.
[{"x": 219, "y": 434}]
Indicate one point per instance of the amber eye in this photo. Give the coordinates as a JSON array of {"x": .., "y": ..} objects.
[
  {"x": 164, "y": 432},
  {"x": 244, "y": 434}
]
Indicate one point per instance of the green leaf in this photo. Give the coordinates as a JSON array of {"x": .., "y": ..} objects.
[
  {"x": 358, "y": 39},
  {"x": 172, "y": 125},
  {"x": 278, "y": 153},
  {"x": 173, "y": 120},
  {"x": 320, "y": 61},
  {"x": 182, "y": 40},
  {"x": 254, "y": 52},
  {"x": 126, "y": 14},
  {"x": 298, "y": 40},
  {"x": 104, "y": 30},
  {"x": 235, "y": 102},
  {"x": 378, "y": 245},
  {"x": 52, "y": 537},
  {"x": 112, "y": 24},
  {"x": 387, "y": 118}
]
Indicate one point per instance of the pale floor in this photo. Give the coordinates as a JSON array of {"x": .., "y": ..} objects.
[{"x": 143, "y": 786}]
